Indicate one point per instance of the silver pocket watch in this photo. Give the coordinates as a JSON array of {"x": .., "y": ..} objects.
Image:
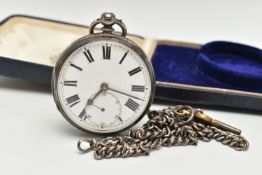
[{"x": 103, "y": 83}]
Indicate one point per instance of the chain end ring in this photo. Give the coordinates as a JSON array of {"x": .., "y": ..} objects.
[{"x": 80, "y": 145}]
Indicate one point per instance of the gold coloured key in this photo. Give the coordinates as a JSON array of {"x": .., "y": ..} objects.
[{"x": 203, "y": 117}]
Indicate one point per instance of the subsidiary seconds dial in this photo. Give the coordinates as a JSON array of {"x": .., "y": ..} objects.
[{"x": 104, "y": 86}]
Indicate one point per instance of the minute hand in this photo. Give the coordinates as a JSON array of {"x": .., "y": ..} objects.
[{"x": 114, "y": 90}]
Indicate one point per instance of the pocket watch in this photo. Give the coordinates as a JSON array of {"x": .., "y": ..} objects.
[{"x": 103, "y": 83}]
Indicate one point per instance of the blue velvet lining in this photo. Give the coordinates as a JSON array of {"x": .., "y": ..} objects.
[{"x": 217, "y": 64}]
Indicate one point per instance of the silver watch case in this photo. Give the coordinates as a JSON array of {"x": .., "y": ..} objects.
[{"x": 93, "y": 38}]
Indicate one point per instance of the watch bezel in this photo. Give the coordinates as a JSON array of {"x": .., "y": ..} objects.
[{"x": 93, "y": 38}]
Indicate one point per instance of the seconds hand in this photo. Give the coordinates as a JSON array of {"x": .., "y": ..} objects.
[{"x": 100, "y": 108}]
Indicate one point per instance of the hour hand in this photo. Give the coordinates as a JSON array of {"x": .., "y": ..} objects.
[
  {"x": 90, "y": 100},
  {"x": 103, "y": 88}
]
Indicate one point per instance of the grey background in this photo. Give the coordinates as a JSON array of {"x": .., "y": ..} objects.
[{"x": 34, "y": 137}]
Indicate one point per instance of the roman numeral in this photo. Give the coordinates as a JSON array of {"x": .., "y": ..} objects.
[
  {"x": 102, "y": 125},
  {"x": 131, "y": 104},
  {"x": 88, "y": 56},
  {"x": 120, "y": 119},
  {"x": 106, "y": 52},
  {"x": 134, "y": 71},
  {"x": 138, "y": 88},
  {"x": 75, "y": 66},
  {"x": 70, "y": 83},
  {"x": 122, "y": 59},
  {"x": 73, "y": 100},
  {"x": 82, "y": 114}
]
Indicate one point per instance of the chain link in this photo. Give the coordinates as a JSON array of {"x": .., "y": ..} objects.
[{"x": 172, "y": 126}]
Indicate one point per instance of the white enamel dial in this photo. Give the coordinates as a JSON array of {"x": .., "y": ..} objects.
[{"x": 104, "y": 86}]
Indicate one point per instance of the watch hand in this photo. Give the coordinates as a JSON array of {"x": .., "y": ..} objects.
[
  {"x": 100, "y": 108},
  {"x": 114, "y": 90},
  {"x": 103, "y": 88},
  {"x": 90, "y": 100}
]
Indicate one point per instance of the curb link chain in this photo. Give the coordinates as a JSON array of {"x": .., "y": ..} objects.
[{"x": 173, "y": 126}]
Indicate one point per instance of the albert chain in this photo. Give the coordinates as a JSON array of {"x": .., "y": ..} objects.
[{"x": 173, "y": 126}]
